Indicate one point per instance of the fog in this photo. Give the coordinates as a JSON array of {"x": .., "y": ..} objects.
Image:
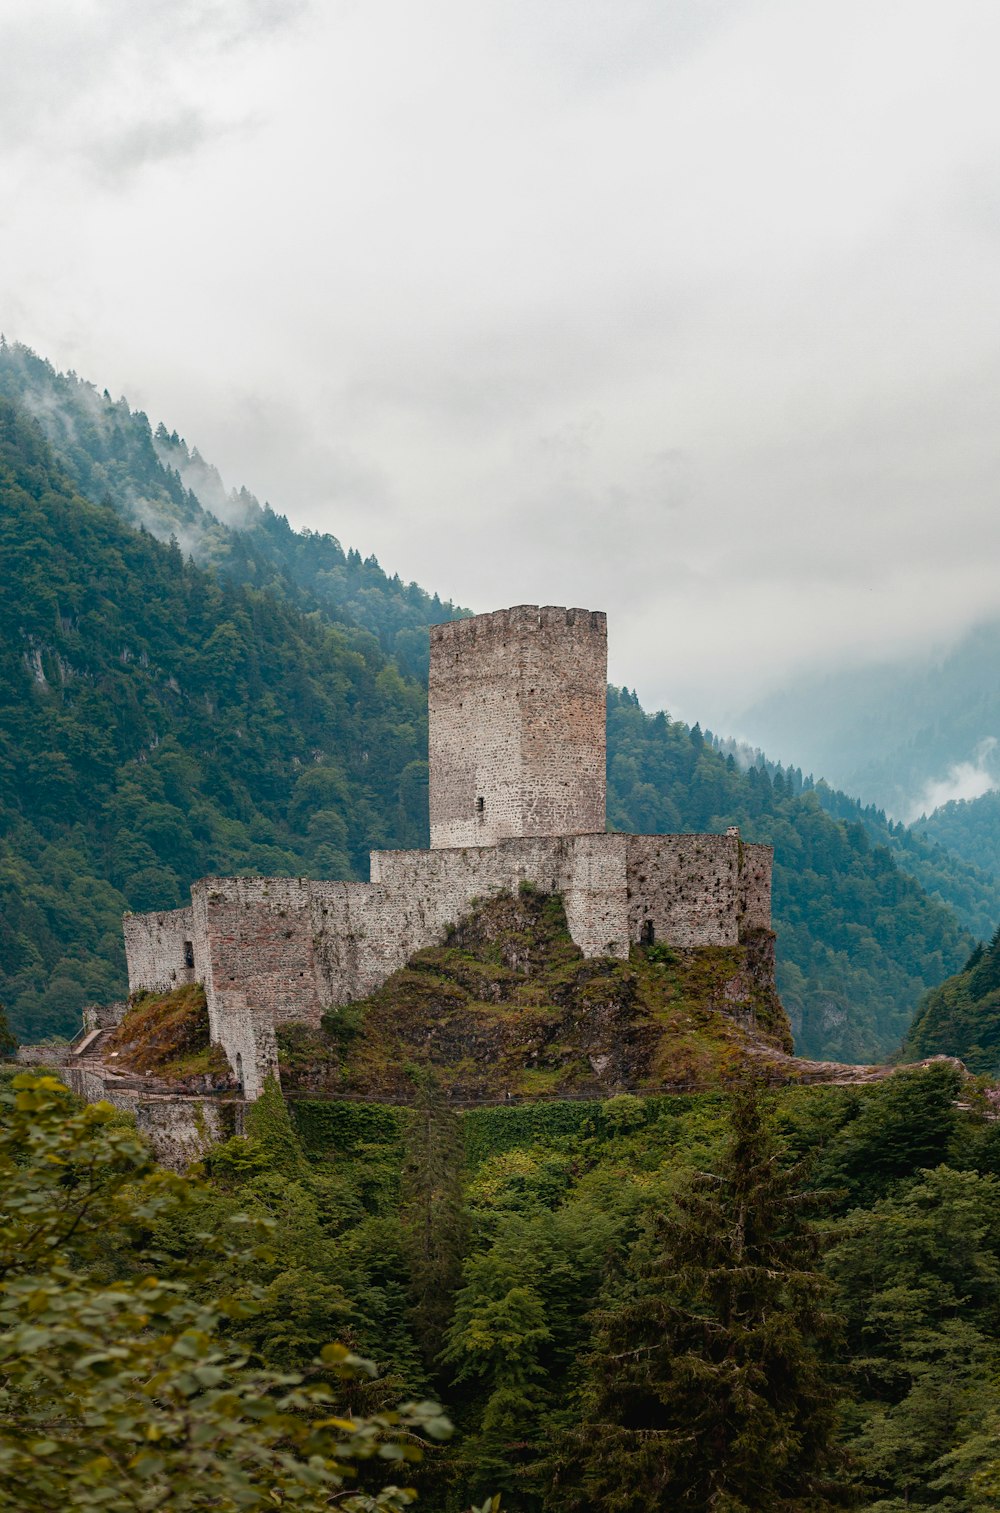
[{"x": 684, "y": 311}]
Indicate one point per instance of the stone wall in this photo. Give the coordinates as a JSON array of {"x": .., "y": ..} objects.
[
  {"x": 156, "y": 948},
  {"x": 683, "y": 889},
  {"x": 278, "y": 949},
  {"x": 179, "y": 1128},
  {"x": 755, "y": 887},
  {"x": 516, "y": 725}
]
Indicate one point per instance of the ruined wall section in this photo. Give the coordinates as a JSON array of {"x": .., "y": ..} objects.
[
  {"x": 516, "y": 725},
  {"x": 683, "y": 889},
  {"x": 424, "y": 892},
  {"x": 256, "y": 937},
  {"x": 756, "y": 863},
  {"x": 160, "y": 950}
]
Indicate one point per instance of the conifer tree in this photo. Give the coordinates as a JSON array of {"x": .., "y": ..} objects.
[
  {"x": 433, "y": 1216},
  {"x": 708, "y": 1387}
]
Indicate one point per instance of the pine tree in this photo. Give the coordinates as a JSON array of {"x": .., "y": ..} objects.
[
  {"x": 433, "y": 1216},
  {"x": 708, "y": 1388}
]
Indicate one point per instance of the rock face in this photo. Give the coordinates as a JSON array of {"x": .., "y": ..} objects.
[{"x": 508, "y": 1006}]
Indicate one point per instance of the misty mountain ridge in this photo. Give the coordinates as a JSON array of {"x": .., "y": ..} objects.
[
  {"x": 153, "y": 480},
  {"x": 908, "y": 735}
]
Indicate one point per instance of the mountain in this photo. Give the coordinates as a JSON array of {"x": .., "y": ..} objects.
[
  {"x": 969, "y": 828},
  {"x": 153, "y": 480},
  {"x": 162, "y": 721},
  {"x": 906, "y": 735},
  {"x": 961, "y": 1017},
  {"x": 157, "y": 723}
]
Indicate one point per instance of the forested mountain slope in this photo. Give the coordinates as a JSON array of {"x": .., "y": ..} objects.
[
  {"x": 961, "y": 1017},
  {"x": 160, "y": 724},
  {"x": 969, "y": 828},
  {"x": 112, "y": 456},
  {"x": 157, "y": 723}
]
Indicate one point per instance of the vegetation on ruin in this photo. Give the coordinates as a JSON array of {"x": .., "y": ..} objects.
[
  {"x": 165, "y": 1035},
  {"x": 508, "y": 1006}
]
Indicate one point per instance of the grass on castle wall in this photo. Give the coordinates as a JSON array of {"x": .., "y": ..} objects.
[{"x": 165, "y": 1035}]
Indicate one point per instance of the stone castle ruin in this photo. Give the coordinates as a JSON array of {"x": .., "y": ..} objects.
[{"x": 517, "y": 795}]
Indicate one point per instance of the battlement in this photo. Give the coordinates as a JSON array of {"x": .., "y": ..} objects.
[{"x": 516, "y": 725}]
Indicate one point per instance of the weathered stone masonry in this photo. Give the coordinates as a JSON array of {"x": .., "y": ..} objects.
[{"x": 517, "y": 704}]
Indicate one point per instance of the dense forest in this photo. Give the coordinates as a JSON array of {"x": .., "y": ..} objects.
[
  {"x": 162, "y": 722},
  {"x": 967, "y": 827},
  {"x": 763, "y": 1306}
]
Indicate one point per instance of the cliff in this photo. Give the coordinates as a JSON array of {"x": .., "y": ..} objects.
[{"x": 508, "y": 1006}]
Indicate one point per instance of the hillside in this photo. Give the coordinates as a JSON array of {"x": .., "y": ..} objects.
[
  {"x": 156, "y": 724},
  {"x": 859, "y": 941},
  {"x": 969, "y": 828},
  {"x": 161, "y": 723},
  {"x": 507, "y": 1006},
  {"x": 112, "y": 456},
  {"x": 961, "y": 1017}
]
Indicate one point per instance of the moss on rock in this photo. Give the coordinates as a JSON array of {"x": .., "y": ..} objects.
[{"x": 508, "y": 1006}]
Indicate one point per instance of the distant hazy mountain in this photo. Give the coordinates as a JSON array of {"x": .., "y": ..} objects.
[
  {"x": 968, "y": 827},
  {"x": 906, "y": 736},
  {"x": 151, "y": 479}
]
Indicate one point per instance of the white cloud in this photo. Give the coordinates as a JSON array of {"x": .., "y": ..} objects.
[
  {"x": 683, "y": 311},
  {"x": 965, "y": 780}
]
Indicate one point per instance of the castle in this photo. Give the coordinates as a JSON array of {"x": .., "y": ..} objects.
[{"x": 516, "y": 714}]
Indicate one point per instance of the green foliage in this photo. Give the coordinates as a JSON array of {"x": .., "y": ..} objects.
[
  {"x": 911, "y": 1125},
  {"x": 124, "y": 1388},
  {"x": 269, "y": 1124},
  {"x": 919, "y": 1283},
  {"x": 710, "y": 1381},
  {"x": 961, "y": 1017},
  {"x": 566, "y": 1235},
  {"x": 344, "y": 1127},
  {"x": 432, "y": 1213}
]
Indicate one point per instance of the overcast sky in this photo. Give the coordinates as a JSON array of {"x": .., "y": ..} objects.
[{"x": 684, "y": 309}]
